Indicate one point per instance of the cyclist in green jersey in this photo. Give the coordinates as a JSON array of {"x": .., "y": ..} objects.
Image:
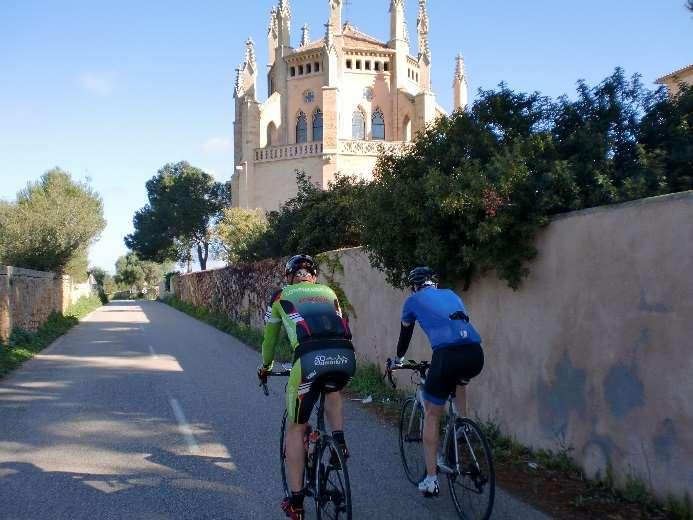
[{"x": 323, "y": 362}]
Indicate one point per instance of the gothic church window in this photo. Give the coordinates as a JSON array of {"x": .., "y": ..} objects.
[
  {"x": 378, "y": 124},
  {"x": 317, "y": 125},
  {"x": 348, "y": 64},
  {"x": 377, "y": 66},
  {"x": 358, "y": 64},
  {"x": 301, "y": 128},
  {"x": 316, "y": 67},
  {"x": 308, "y": 68},
  {"x": 358, "y": 125},
  {"x": 386, "y": 66},
  {"x": 300, "y": 70},
  {"x": 293, "y": 71}
]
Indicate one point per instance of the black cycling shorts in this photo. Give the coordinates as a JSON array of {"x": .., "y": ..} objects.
[
  {"x": 321, "y": 370},
  {"x": 452, "y": 366}
]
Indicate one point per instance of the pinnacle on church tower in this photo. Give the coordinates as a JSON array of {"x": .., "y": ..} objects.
[
  {"x": 459, "y": 85},
  {"x": 284, "y": 23},
  {"x": 250, "y": 53},
  {"x": 422, "y": 30},
  {"x": 305, "y": 36},
  {"x": 459, "y": 66}
]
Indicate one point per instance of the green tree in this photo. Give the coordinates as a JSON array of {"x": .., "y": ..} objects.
[
  {"x": 236, "y": 229},
  {"x": 99, "y": 275},
  {"x": 314, "y": 221},
  {"x": 51, "y": 225},
  {"x": 134, "y": 273},
  {"x": 184, "y": 202}
]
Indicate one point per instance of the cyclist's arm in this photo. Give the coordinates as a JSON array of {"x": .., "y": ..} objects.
[
  {"x": 407, "y": 329},
  {"x": 273, "y": 326}
]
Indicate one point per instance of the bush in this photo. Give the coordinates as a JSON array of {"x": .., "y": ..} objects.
[{"x": 477, "y": 186}]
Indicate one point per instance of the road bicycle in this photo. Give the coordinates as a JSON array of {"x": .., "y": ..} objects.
[
  {"x": 464, "y": 454},
  {"x": 326, "y": 478}
]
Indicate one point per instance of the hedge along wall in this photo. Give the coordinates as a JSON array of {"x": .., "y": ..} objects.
[{"x": 240, "y": 291}]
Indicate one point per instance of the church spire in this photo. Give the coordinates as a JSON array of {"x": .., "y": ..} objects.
[
  {"x": 305, "y": 36},
  {"x": 459, "y": 85},
  {"x": 422, "y": 30},
  {"x": 284, "y": 23},
  {"x": 336, "y": 15},
  {"x": 246, "y": 73}
]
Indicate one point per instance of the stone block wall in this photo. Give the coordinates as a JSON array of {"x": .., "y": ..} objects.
[
  {"x": 28, "y": 297},
  {"x": 241, "y": 292}
]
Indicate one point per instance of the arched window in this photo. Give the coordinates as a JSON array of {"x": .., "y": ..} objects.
[
  {"x": 301, "y": 128},
  {"x": 406, "y": 129},
  {"x": 358, "y": 125},
  {"x": 271, "y": 133},
  {"x": 317, "y": 125},
  {"x": 378, "y": 124}
]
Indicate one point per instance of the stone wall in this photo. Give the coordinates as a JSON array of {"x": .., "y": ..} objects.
[
  {"x": 28, "y": 297},
  {"x": 241, "y": 292},
  {"x": 592, "y": 353}
]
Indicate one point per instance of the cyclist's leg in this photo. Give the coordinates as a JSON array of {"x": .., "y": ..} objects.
[
  {"x": 436, "y": 391},
  {"x": 433, "y": 413},
  {"x": 468, "y": 365},
  {"x": 296, "y": 404},
  {"x": 333, "y": 411}
]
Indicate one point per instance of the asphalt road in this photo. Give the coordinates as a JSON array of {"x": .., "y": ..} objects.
[{"x": 141, "y": 412}]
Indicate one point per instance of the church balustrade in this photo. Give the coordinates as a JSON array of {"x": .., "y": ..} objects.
[
  {"x": 287, "y": 151},
  {"x": 362, "y": 147}
]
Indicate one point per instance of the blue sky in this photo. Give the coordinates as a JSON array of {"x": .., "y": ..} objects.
[{"x": 114, "y": 90}]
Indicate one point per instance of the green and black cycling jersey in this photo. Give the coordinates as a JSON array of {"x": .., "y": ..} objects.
[
  {"x": 308, "y": 312},
  {"x": 320, "y": 339}
]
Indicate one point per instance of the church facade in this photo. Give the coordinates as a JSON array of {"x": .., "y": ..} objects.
[{"x": 333, "y": 105}]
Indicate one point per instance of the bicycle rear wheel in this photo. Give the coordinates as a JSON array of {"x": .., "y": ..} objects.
[
  {"x": 473, "y": 488},
  {"x": 333, "y": 492},
  {"x": 411, "y": 425},
  {"x": 282, "y": 456}
]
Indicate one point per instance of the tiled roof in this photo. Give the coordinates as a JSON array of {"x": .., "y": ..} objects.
[
  {"x": 689, "y": 68},
  {"x": 355, "y": 38}
]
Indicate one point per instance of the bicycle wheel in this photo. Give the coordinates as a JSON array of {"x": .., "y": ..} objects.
[
  {"x": 332, "y": 493},
  {"x": 282, "y": 456},
  {"x": 411, "y": 425},
  {"x": 473, "y": 488}
]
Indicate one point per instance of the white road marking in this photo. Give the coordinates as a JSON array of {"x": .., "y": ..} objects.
[
  {"x": 185, "y": 429},
  {"x": 153, "y": 353}
]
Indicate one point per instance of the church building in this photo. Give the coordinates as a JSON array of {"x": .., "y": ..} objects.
[{"x": 333, "y": 105}]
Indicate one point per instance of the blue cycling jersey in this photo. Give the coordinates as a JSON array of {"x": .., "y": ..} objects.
[{"x": 432, "y": 308}]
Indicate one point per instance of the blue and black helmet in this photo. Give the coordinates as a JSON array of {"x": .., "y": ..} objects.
[
  {"x": 419, "y": 276},
  {"x": 298, "y": 262}
]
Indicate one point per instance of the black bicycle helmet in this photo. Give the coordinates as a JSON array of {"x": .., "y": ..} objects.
[
  {"x": 298, "y": 262},
  {"x": 420, "y": 275}
]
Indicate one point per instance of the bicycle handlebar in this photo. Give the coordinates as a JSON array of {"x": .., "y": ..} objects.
[
  {"x": 284, "y": 371},
  {"x": 419, "y": 366}
]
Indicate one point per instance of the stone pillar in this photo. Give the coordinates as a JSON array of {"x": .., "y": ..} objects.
[
  {"x": 330, "y": 133},
  {"x": 5, "y": 317}
]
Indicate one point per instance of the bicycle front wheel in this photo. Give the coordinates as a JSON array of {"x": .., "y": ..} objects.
[
  {"x": 333, "y": 492},
  {"x": 282, "y": 456},
  {"x": 411, "y": 424},
  {"x": 473, "y": 484}
]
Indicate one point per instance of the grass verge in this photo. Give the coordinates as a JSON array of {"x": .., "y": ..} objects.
[
  {"x": 24, "y": 345},
  {"x": 245, "y": 333}
]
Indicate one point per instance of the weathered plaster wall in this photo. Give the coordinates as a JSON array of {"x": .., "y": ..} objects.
[
  {"x": 28, "y": 297},
  {"x": 278, "y": 179},
  {"x": 593, "y": 353}
]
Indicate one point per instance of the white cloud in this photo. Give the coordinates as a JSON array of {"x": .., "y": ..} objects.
[
  {"x": 100, "y": 84},
  {"x": 217, "y": 144}
]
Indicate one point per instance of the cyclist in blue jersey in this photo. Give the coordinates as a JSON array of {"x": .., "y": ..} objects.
[{"x": 457, "y": 357}]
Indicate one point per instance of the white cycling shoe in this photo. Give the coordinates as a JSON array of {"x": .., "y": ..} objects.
[{"x": 429, "y": 487}]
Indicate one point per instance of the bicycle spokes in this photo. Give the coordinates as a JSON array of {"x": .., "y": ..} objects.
[{"x": 473, "y": 486}]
